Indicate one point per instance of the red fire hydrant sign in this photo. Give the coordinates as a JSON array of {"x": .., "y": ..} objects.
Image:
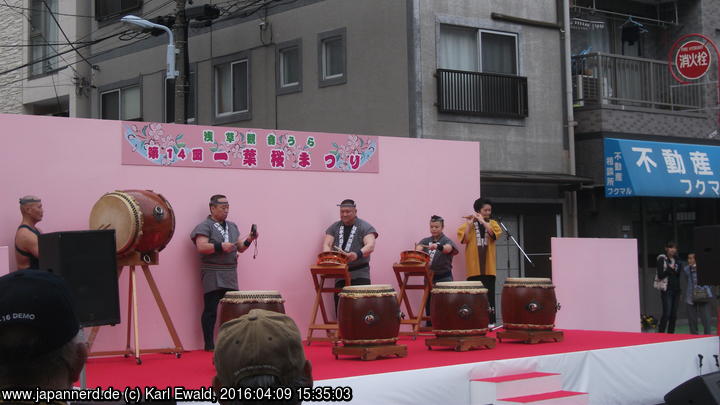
[{"x": 692, "y": 60}]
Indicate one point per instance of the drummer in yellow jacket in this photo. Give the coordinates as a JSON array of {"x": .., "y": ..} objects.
[{"x": 479, "y": 234}]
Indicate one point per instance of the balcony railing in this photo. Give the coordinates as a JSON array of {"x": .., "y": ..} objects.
[
  {"x": 602, "y": 79},
  {"x": 487, "y": 94}
]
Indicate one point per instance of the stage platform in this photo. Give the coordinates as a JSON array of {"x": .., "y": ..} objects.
[{"x": 613, "y": 367}]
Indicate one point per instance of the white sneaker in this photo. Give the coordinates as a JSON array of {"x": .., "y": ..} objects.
[{"x": 492, "y": 325}]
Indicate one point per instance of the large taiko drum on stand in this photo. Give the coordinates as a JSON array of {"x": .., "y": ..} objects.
[
  {"x": 238, "y": 303},
  {"x": 368, "y": 315},
  {"x": 459, "y": 308},
  {"x": 529, "y": 304},
  {"x": 143, "y": 220}
]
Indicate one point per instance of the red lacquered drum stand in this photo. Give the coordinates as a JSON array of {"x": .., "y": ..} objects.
[
  {"x": 131, "y": 261},
  {"x": 530, "y": 336},
  {"x": 319, "y": 274},
  {"x": 412, "y": 269}
]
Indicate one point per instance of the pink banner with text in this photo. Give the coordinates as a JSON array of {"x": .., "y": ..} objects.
[{"x": 158, "y": 144}]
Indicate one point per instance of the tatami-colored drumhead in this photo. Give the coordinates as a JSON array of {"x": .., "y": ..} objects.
[
  {"x": 371, "y": 287},
  {"x": 251, "y": 293},
  {"x": 116, "y": 211},
  {"x": 528, "y": 280},
  {"x": 465, "y": 284}
]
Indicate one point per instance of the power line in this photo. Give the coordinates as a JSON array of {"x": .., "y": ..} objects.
[
  {"x": 34, "y": 9},
  {"x": 65, "y": 35}
]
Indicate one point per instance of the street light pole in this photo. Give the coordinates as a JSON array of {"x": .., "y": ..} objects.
[
  {"x": 170, "y": 72},
  {"x": 181, "y": 44}
]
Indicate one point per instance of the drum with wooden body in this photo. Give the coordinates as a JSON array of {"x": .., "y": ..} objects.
[
  {"x": 414, "y": 257},
  {"x": 529, "y": 304},
  {"x": 459, "y": 308},
  {"x": 143, "y": 220},
  {"x": 368, "y": 315},
  {"x": 332, "y": 258},
  {"x": 238, "y": 303}
]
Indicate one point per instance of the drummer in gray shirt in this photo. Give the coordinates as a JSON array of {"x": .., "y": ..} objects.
[
  {"x": 218, "y": 243},
  {"x": 441, "y": 250},
  {"x": 355, "y": 236}
]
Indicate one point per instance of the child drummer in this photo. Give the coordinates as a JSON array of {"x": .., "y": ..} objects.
[{"x": 441, "y": 250}]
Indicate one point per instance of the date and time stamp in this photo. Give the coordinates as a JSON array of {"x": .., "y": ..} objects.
[{"x": 181, "y": 394}]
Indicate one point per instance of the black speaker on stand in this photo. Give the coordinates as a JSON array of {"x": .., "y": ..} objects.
[
  {"x": 700, "y": 390},
  {"x": 87, "y": 261}
]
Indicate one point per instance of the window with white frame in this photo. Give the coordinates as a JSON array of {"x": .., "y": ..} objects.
[
  {"x": 332, "y": 60},
  {"x": 121, "y": 104},
  {"x": 232, "y": 88},
  {"x": 477, "y": 50},
  {"x": 43, "y": 34},
  {"x": 290, "y": 67}
]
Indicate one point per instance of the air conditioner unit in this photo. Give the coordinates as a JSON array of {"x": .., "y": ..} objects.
[{"x": 585, "y": 90}]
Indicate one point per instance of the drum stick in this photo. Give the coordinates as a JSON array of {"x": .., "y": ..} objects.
[
  {"x": 337, "y": 249},
  {"x": 105, "y": 226}
]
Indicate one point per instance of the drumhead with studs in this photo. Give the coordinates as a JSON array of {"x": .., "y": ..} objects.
[{"x": 118, "y": 211}]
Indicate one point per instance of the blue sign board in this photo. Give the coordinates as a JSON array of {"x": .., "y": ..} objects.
[{"x": 642, "y": 168}]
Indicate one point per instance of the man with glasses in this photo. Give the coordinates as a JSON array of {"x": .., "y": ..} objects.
[{"x": 218, "y": 242}]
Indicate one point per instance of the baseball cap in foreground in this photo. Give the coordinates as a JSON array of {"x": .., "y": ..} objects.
[
  {"x": 259, "y": 343},
  {"x": 41, "y": 301}
]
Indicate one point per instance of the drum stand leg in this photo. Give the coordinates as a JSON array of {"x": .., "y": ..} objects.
[{"x": 135, "y": 351}]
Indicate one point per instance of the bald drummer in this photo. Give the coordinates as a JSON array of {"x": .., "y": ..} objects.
[{"x": 26, "y": 236}]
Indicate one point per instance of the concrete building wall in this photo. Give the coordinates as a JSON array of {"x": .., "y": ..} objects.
[
  {"x": 531, "y": 144},
  {"x": 11, "y": 29},
  {"x": 373, "y": 100}
]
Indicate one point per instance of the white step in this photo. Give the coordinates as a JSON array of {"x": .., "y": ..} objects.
[
  {"x": 487, "y": 390},
  {"x": 548, "y": 398}
]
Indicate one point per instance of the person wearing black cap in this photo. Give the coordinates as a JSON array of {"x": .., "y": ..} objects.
[
  {"x": 218, "y": 242},
  {"x": 26, "y": 236},
  {"x": 354, "y": 236},
  {"x": 41, "y": 345}
]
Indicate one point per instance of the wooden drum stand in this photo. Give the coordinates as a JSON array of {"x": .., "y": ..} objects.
[
  {"x": 320, "y": 273},
  {"x": 131, "y": 261}
]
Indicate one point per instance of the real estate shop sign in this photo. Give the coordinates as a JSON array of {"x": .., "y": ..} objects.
[
  {"x": 159, "y": 144},
  {"x": 643, "y": 168}
]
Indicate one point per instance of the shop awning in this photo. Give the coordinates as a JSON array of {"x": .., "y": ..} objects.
[
  {"x": 533, "y": 177},
  {"x": 658, "y": 169}
]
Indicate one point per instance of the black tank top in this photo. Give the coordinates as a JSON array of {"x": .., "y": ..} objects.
[{"x": 34, "y": 261}]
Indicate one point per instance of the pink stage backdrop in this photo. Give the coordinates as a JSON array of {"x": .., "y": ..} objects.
[
  {"x": 239, "y": 148},
  {"x": 71, "y": 163},
  {"x": 4, "y": 260},
  {"x": 596, "y": 282}
]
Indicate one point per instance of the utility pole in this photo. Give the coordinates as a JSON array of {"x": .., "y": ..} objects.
[{"x": 180, "y": 30}]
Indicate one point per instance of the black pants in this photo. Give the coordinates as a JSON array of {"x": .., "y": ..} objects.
[
  {"x": 340, "y": 283},
  {"x": 489, "y": 283},
  {"x": 670, "y": 300},
  {"x": 209, "y": 316}
]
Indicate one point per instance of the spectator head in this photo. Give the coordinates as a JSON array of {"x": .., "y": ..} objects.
[
  {"x": 261, "y": 349},
  {"x": 41, "y": 344},
  {"x": 671, "y": 248}
]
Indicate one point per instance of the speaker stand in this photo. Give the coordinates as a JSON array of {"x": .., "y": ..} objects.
[{"x": 131, "y": 262}]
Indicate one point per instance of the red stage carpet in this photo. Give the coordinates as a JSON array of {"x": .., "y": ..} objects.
[{"x": 195, "y": 369}]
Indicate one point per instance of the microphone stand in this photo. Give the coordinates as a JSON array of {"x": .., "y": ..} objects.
[{"x": 509, "y": 236}]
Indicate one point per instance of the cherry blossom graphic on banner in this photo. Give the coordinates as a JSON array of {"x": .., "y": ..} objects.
[{"x": 159, "y": 144}]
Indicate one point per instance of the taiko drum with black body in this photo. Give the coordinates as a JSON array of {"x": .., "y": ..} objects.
[
  {"x": 459, "y": 308},
  {"x": 238, "y": 303},
  {"x": 529, "y": 304},
  {"x": 368, "y": 315}
]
